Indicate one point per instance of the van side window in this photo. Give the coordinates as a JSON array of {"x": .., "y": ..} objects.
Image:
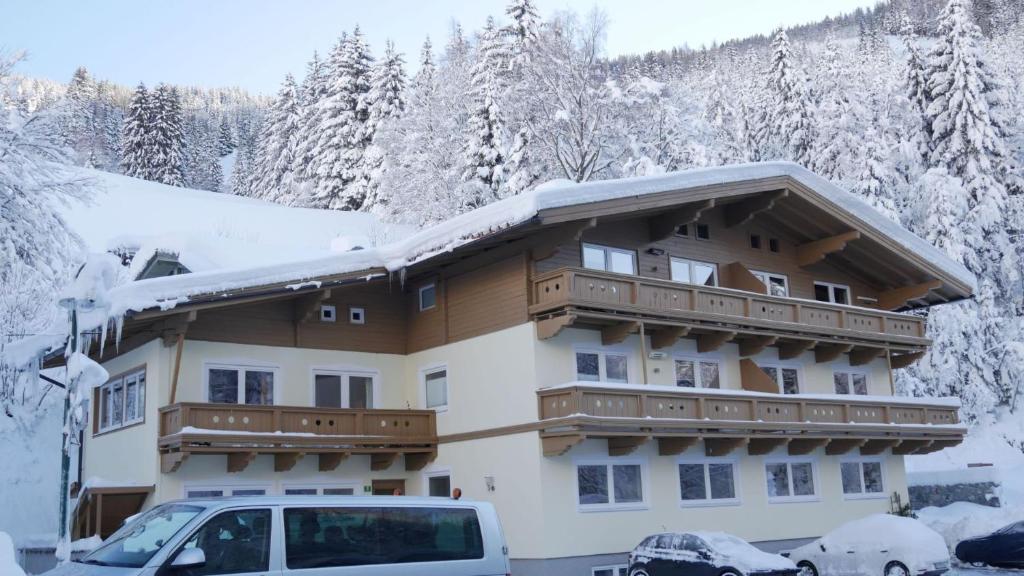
[
  {"x": 324, "y": 537},
  {"x": 234, "y": 542}
]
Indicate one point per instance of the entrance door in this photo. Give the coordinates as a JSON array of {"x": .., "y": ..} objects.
[
  {"x": 343, "y": 389},
  {"x": 388, "y": 487}
]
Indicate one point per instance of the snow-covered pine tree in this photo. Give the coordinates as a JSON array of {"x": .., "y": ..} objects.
[
  {"x": 272, "y": 177},
  {"x": 523, "y": 30},
  {"x": 387, "y": 103},
  {"x": 136, "y": 139},
  {"x": 167, "y": 137},
  {"x": 484, "y": 155},
  {"x": 790, "y": 128},
  {"x": 201, "y": 167},
  {"x": 225, "y": 139},
  {"x": 425, "y": 81},
  {"x": 80, "y": 128},
  {"x": 312, "y": 94}
]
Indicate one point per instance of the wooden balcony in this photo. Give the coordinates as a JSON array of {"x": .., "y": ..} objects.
[
  {"x": 289, "y": 432},
  {"x": 575, "y": 295},
  {"x": 630, "y": 416}
]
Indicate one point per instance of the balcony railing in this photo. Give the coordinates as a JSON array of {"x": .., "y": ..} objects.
[
  {"x": 289, "y": 432},
  {"x": 624, "y": 294},
  {"x": 844, "y": 422}
]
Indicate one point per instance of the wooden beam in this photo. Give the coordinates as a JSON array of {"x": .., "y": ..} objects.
[
  {"x": 177, "y": 367},
  {"x": 285, "y": 461},
  {"x": 790, "y": 350},
  {"x": 937, "y": 445},
  {"x": 814, "y": 252},
  {"x": 551, "y": 327},
  {"x": 615, "y": 333},
  {"x": 802, "y": 446},
  {"x": 830, "y": 352},
  {"x": 839, "y": 446},
  {"x": 862, "y": 355},
  {"x": 664, "y": 225},
  {"x": 877, "y": 446},
  {"x": 548, "y": 243},
  {"x": 171, "y": 328},
  {"x": 735, "y": 275},
  {"x": 722, "y": 446},
  {"x": 382, "y": 460},
  {"x": 910, "y": 447},
  {"x": 418, "y": 460},
  {"x": 558, "y": 445},
  {"x": 667, "y": 336},
  {"x": 754, "y": 379},
  {"x": 307, "y": 308},
  {"x": 329, "y": 461},
  {"x": 898, "y": 297},
  {"x": 755, "y": 345},
  {"x": 743, "y": 211},
  {"x": 675, "y": 445},
  {"x": 713, "y": 341},
  {"x": 238, "y": 461},
  {"x": 903, "y": 360},
  {"x": 762, "y": 446},
  {"x": 623, "y": 445},
  {"x": 171, "y": 461}
]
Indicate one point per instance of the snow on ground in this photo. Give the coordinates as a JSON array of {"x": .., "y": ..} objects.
[{"x": 8, "y": 558}]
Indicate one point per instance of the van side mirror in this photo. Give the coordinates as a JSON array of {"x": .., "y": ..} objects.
[{"x": 189, "y": 558}]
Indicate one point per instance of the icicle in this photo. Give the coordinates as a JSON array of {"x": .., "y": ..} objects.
[{"x": 119, "y": 326}]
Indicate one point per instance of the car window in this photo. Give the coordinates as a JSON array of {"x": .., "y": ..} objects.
[
  {"x": 234, "y": 542},
  {"x": 665, "y": 541},
  {"x": 134, "y": 544},
  {"x": 1015, "y": 528}
]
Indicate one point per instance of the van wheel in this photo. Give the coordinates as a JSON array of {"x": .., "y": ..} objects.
[
  {"x": 896, "y": 569},
  {"x": 806, "y": 568},
  {"x": 638, "y": 572},
  {"x": 730, "y": 572}
]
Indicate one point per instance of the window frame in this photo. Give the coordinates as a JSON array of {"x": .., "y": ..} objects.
[
  {"x": 433, "y": 369},
  {"x": 103, "y": 408},
  {"x": 691, "y": 263},
  {"x": 697, "y": 359},
  {"x": 602, "y": 368},
  {"x": 241, "y": 366},
  {"x": 437, "y": 473},
  {"x": 607, "y": 250},
  {"x": 608, "y": 463},
  {"x": 616, "y": 569},
  {"x": 361, "y": 311},
  {"x": 344, "y": 371},
  {"x": 697, "y": 226},
  {"x": 789, "y": 462},
  {"x": 227, "y": 488},
  {"x": 788, "y": 366},
  {"x": 328, "y": 310},
  {"x": 354, "y": 485},
  {"x": 767, "y": 282},
  {"x": 860, "y": 461},
  {"x": 850, "y": 373},
  {"x": 733, "y": 461},
  {"x": 419, "y": 296},
  {"x": 832, "y": 294}
]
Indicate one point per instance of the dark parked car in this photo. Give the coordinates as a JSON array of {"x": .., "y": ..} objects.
[
  {"x": 704, "y": 554},
  {"x": 1003, "y": 548}
]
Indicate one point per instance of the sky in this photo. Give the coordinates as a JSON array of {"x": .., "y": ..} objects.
[{"x": 254, "y": 43}]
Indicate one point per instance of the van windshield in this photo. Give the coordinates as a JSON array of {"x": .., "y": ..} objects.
[{"x": 136, "y": 542}]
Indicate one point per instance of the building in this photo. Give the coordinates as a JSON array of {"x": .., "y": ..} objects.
[{"x": 712, "y": 349}]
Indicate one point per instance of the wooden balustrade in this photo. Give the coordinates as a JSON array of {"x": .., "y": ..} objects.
[{"x": 621, "y": 293}]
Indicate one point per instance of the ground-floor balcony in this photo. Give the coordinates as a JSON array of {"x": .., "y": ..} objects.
[
  {"x": 289, "y": 433},
  {"x": 677, "y": 418}
]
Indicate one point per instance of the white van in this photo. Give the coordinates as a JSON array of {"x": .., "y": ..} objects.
[{"x": 304, "y": 536}]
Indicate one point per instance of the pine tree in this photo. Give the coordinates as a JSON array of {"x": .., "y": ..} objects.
[
  {"x": 225, "y": 140},
  {"x": 484, "y": 154},
  {"x": 387, "y": 103},
  {"x": 425, "y": 81},
  {"x": 80, "y": 129},
  {"x": 916, "y": 83},
  {"x": 272, "y": 178},
  {"x": 524, "y": 31},
  {"x": 311, "y": 97},
  {"x": 789, "y": 115},
  {"x": 167, "y": 138},
  {"x": 136, "y": 148}
]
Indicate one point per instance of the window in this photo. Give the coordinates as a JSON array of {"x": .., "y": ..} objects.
[
  {"x": 328, "y": 313},
  {"x": 359, "y": 536},
  {"x": 683, "y": 230},
  {"x": 694, "y": 272},
  {"x": 695, "y": 373},
  {"x": 619, "y": 570},
  {"x": 602, "y": 366},
  {"x": 847, "y": 382},
  {"x": 316, "y": 490},
  {"x": 219, "y": 491},
  {"x": 343, "y": 389},
  {"x": 835, "y": 293},
  {"x": 862, "y": 479},
  {"x": 439, "y": 484},
  {"x": 788, "y": 379},
  {"x": 777, "y": 284},
  {"x": 603, "y": 486},
  {"x": 609, "y": 259},
  {"x": 755, "y": 241},
  {"x": 702, "y": 232},
  {"x": 239, "y": 385},
  {"x": 435, "y": 385},
  {"x": 790, "y": 481},
  {"x": 356, "y": 315},
  {"x": 773, "y": 244},
  {"x": 428, "y": 297},
  {"x": 122, "y": 401},
  {"x": 235, "y": 542},
  {"x": 707, "y": 482}
]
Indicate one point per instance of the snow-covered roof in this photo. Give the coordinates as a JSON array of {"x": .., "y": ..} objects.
[{"x": 406, "y": 249}]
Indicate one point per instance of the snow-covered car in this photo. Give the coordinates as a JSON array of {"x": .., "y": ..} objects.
[
  {"x": 1003, "y": 548},
  {"x": 704, "y": 554},
  {"x": 878, "y": 545}
]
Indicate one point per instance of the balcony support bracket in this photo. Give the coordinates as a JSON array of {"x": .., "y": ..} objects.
[
  {"x": 664, "y": 225},
  {"x": 285, "y": 461},
  {"x": 937, "y": 445},
  {"x": 744, "y": 211},
  {"x": 815, "y": 251},
  {"x": 754, "y": 346},
  {"x": 803, "y": 446},
  {"x": 830, "y": 352},
  {"x": 307, "y": 308},
  {"x": 839, "y": 446},
  {"x": 558, "y": 445},
  {"x": 722, "y": 446},
  {"x": 761, "y": 446},
  {"x": 875, "y": 447},
  {"x": 329, "y": 461},
  {"x": 171, "y": 461},
  {"x": 623, "y": 445},
  {"x": 238, "y": 461},
  {"x": 616, "y": 333},
  {"x": 551, "y": 327},
  {"x": 668, "y": 336},
  {"x": 713, "y": 341},
  {"x": 862, "y": 355},
  {"x": 418, "y": 460},
  {"x": 911, "y": 447},
  {"x": 904, "y": 360},
  {"x": 791, "y": 350},
  {"x": 382, "y": 460},
  {"x": 675, "y": 445},
  {"x": 898, "y": 297}
]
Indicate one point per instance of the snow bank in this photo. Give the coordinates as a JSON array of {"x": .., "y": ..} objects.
[
  {"x": 8, "y": 560},
  {"x": 986, "y": 442},
  {"x": 962, "y": 520}
]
